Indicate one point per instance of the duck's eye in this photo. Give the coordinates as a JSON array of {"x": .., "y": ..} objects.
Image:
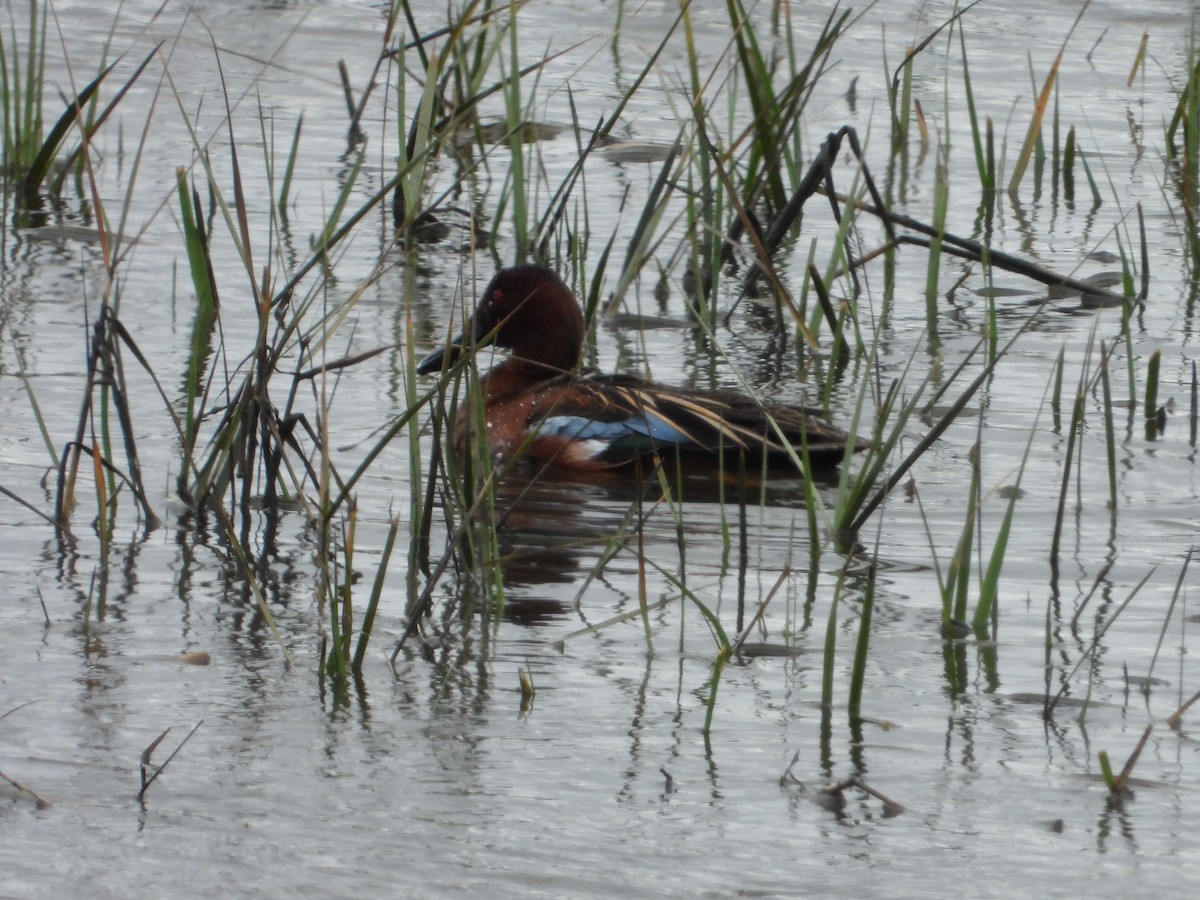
[{"x": 496, "y": 295}]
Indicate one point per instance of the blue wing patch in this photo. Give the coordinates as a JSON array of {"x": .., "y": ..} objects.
[{"x": 643, "y": 425}]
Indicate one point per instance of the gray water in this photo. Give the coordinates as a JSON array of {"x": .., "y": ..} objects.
[{"x": 436, "y": 779}]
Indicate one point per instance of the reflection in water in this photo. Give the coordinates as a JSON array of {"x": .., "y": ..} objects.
[{"x": 557, "y": 531}]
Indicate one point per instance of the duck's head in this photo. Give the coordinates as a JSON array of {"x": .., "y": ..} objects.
[{"x": 528, "y": 310}]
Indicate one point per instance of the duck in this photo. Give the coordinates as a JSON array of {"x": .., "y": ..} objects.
[{"x": 540, "y": 408}]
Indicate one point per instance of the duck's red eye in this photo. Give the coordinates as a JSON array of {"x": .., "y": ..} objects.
[{"x": 496, "y": 295}]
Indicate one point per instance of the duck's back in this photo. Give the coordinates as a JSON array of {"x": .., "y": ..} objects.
[{"x": 606, "y": 421}]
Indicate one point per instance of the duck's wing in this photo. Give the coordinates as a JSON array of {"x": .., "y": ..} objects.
[
  {"x": 611, "y": 420},
  {"x": 597, "y": 423},
  {"x": 774, "y": 427}
]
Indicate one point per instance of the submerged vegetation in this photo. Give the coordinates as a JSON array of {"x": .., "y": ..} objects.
[{"x": 746, "y": 223}]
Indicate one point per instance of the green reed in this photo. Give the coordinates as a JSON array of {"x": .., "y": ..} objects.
[
  {"x": 981, "y": 140},
  {"x": 941, "y": 204},
  {"x": 204, "y": 283},
  {"x": 515, "y": 119},
  {"x": 1117, "y": 784},
  {"x": 1031, "y": 143},
  {"x": 22, "y": 82},
  {"x": 829, "y": 648},
  {"x": 1183, "y": 142},
  {"x": 987, "y": 607},
  {"x": 954, "y": 584},
  {"x": 705, "y": 204},
  {"x": 1056, "y": 389},
  {"x": 1110, "y": 438},
  {"x": 1150, "y": 406},
  {"x": 1176, "y": 595},
  {"x": 771, "y": 133},
  {"x": 900, "y": 98},
  {"x": 862, "y": 645},
  {"x": 1074, "y": 431},
  {"x": 289, "y": 172}
]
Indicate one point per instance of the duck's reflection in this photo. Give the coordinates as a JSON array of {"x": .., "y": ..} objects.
[{"x": 555, "y": 534}]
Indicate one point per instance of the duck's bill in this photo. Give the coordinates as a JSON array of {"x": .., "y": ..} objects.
[{"x": 441, "y": 357}]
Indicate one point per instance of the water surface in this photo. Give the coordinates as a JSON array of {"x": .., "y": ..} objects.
[{"x": 437, "y": 779}]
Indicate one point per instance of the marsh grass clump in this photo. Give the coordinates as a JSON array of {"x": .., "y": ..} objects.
[
  {"x": 32, "y": 157},
  {"x": 22, "y": 76}
]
